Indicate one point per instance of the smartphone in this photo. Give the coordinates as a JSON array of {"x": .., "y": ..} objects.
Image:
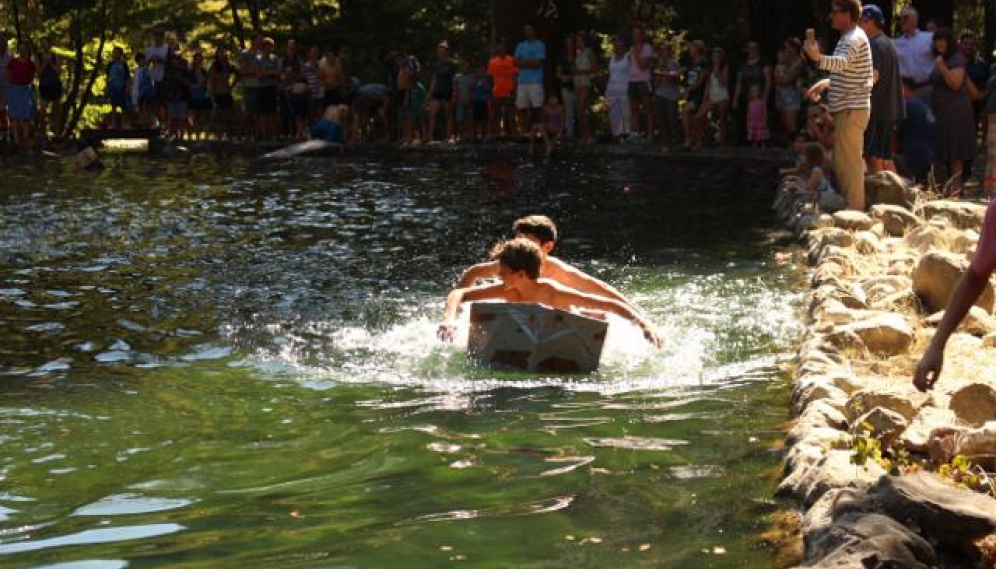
[{"x": 810, "y": 34}]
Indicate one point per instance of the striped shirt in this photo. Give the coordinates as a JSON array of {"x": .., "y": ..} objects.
[{"x": 850, "y": 69}]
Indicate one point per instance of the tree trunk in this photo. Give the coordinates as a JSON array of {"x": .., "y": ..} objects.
[
  {"x": 16, "y": 13},
  {"x": 240, "y": 31},
  {"x": 72, "y": 94},
  {"x": 77, "y": 113},
  {"x": 257, "y": 26}
]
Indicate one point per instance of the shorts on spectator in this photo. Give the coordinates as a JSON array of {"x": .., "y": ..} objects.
[
  {"x": 638, "y": 89},
  {"x": 529, "y": 96},
  {"x": 878, "y": 139}
]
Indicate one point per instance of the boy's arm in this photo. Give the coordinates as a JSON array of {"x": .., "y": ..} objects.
[
  {"x": 488, "y": 270},
  {"x": 457, "y": 297},
  {"x": 575, "y": 278},
  {"x": 564, "y": 297}
]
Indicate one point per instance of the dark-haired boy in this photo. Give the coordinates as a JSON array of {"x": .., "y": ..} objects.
[
  {"x": 541, "y": 230},
  {"x": 519, "y": 262}
]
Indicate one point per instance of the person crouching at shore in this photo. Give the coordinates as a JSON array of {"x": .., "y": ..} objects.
[
  {"x": 519, "y": 262},
  {"x": 332, "y": 126}
]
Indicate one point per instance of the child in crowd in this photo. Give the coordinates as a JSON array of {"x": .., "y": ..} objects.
[
  {"x": 482, "y": 103},
  {"x": 141, "y": 90},
  {"x": 818, "y": 181},
  {"x": 551, "y": 127},
  {"x": 463, "y": 86},
  {"x": 799, "y": 150},
  {"x": 519, "y": 263},
  {"x": 757, "y": 119},
  {"x": 118, "y": 77}
]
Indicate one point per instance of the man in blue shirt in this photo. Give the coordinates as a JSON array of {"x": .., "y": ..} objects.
[{"x": 530, "y": 56}]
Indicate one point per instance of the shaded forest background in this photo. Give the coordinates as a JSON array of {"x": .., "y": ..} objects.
[{"x": 84, "y": 31}]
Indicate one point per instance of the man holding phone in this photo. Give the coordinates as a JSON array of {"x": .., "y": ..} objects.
[{"x": 849, "y": 86}]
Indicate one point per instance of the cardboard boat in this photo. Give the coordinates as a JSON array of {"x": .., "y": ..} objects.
[
  {"x": 302, "y": 148},
  {"x": 533, "y": 337}
]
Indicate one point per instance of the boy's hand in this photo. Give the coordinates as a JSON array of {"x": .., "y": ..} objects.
[
  {"x": 653, "y": 336},
  {"x": 446, "y": 332}
]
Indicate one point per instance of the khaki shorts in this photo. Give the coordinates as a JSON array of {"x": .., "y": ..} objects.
[{"x": 529, "y": 96}]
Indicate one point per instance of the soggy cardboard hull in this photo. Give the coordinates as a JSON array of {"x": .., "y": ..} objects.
[{"x": 533, "y": 337}]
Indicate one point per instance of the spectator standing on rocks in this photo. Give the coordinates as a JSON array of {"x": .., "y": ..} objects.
[
  {"x": 503, "y": 71},
  {"x": 887, "y": 92},
  {"x": 966, "y": 292},
  {"x": 565, "y": 77},
  {"x": 916, "y": 133},
  {"x": 977, "y": 76},
  {"x": 641, "y": 64},
  {"x": 755, "y": 71},
  {"x": 617, "y": 90},
  {"x": 953, "y": 108},
  {"x": 441, "y": 94},
  {"x": 584, "y": 68},
  {"x": 788, "y": 97},
  {"x": 157, "y": 55},
  {"x": 913, "y": 46},
  {"x": 21, "y": 96},
  {"x": 49, "y": 89},
  {"x": 849, "y": 86},
  {"x": 666, "y": 94},
  {"x": 530, "y": 55},
  {"x": 696, "y": 76}
]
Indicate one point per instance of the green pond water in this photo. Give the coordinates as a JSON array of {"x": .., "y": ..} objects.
[{"x": 211, "y": 362}]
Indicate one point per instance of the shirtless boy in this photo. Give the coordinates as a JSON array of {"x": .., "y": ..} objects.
[
  {"x": 519, "y": 261},
  {"x": 541, "y": 230}
]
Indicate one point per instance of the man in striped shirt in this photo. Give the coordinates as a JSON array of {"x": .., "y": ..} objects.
[{"x": 850, "y": 85}]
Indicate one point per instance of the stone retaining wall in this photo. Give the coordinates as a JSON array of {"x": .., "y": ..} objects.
[{"x": 878, "y": 282}]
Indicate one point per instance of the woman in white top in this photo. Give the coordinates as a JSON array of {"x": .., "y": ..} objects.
[
  {"x": 617, "y": 90},
  {"x": 717, "y": 97},
  {"x": 584, "y": 67}
]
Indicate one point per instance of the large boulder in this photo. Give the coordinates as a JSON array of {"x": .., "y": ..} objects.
[
  {"x": 975, "y": 404},
  {"x": 925, "y": 238},
  {"x": 917, "y": 435},
  {"x": 852, "y": 220},
  {"x": 885, "y": 287},
  {"x": 897, "y": 220},
  {"x": 963, "y": 215},
  {"x": 884, "y": 424},
  {"x": 977, "y": 445},
  {"x": 935, "y": 277},
  {"x": 940, "y": 510},
  {"x": 867, "y": 540},
  {"x": 886, "y": 334},
  {"x": 867, "y": 243},
  {"x": 809, "y": 482},
  {"x": 904, "y": 402},
  {"x": 887, "y": 188}
]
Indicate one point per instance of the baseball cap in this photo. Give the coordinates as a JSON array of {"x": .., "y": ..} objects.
[{"x": 874, "y": 13}]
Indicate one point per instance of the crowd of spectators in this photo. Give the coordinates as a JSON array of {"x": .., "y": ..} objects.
[{"x": 915, "y": 103}]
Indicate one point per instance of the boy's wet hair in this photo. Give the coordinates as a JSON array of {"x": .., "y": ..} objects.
[
  {"x": 519, "y": 254},
  {"x": 538, "y": 226}
]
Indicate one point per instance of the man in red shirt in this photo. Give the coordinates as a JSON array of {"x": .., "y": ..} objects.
[
  {"x": 503, "y": 71},
  {"x": 21, "y": 96}
]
